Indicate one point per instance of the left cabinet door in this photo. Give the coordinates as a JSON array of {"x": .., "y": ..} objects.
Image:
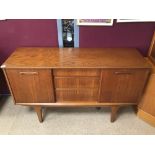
[{"x": 31, "y": 85}]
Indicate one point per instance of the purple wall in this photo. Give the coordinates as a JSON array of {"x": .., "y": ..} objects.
[
  {"x": 15, "y": 33},
  {"x": 136, "y": 35}
]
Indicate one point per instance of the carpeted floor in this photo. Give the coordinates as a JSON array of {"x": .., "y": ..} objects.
[{"x": 23, "y": 120}]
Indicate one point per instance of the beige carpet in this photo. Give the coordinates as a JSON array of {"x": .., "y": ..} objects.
[{"x": 23, "y": 120}]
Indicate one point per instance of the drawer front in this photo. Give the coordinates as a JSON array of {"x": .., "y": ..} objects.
[
  {"x": 66, "y": 95},
  {"x": 76, "y": 95},
  {"x": 76, "y": 72},
  {"x": 76, "y": 82},
  {"x": 122, "y": 85},
  {"x": 87, "y": 94}
]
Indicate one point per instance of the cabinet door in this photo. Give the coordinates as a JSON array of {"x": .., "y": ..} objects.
[
  {"x": 31, "y": 85},
  {"x": 122, "y": 85}
]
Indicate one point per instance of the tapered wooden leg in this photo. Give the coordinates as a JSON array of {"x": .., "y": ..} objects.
[
  {"x": 38, "y": 110},
  {"x": 98, "y": 108},
  {"x": 135, "y": 108},
  {"x": 114, "y": 110}
]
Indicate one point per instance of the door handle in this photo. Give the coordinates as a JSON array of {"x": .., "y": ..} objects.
[
  {"x": 123, "y": 72},
  {"x": 28, "y": 73}
]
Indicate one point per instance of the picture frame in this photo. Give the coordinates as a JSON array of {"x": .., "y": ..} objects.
[
  {"x": 95, "y": 22},
  {"x": 133, "y": 20}
]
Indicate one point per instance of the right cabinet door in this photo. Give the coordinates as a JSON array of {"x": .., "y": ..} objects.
[{"x": 122, "y": 85}]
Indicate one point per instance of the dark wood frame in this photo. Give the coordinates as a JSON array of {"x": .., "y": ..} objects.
[
  {"x": 150, "y": 49},
  {"x": 146, "y": 107}
]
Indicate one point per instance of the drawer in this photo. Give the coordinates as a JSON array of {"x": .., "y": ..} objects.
[
  {"x": 66, "y": 95},
  {"x": 76, "y": 95},
  {"x": 76, "y": 72},
  {"x": 65, "y": 82},
  {"x": 88, "y": 82},
  {"x": 76, "y": 82},
  {"x": 87, "y": 94}
]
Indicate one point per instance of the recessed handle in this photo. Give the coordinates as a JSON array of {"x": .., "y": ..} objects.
[
  {"x": 28, "y": 73},
  {"x": 123, "y": 72}
]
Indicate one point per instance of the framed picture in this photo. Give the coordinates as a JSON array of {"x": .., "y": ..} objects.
[
  {"x": 95, "y": 22},
  {"x": 133, "y": 20}
]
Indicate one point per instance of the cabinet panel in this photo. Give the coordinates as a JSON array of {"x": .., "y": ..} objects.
[
  {"x": 87, "y": 94},
  {"x": 76, "y": 72},
  {"x": 66, "y": 94},
  {"x": 76, "y": 82},
  {"x": 65, "y": 82},
  {"x": 147, "y": 103},
  {"x": 88, "y": 82},
  {"x": 31, "y": 85},
  {"x": 122, "y": 85},
  {"x": 76, "y": 94}
]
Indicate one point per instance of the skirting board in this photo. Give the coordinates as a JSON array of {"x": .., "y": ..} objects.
[
  {"x": 5, "y": 94},
  {"x": 2, "y": 95},
  {"x": 146, "y": 117}
]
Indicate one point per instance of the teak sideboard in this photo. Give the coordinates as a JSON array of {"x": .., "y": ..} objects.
[{"x": 75, "y": 77}]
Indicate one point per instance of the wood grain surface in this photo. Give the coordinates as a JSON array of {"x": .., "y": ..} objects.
[{"x": 43, "y": 57}]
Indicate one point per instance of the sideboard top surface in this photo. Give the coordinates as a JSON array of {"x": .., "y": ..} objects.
[{"x": 46, "y": 57}]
